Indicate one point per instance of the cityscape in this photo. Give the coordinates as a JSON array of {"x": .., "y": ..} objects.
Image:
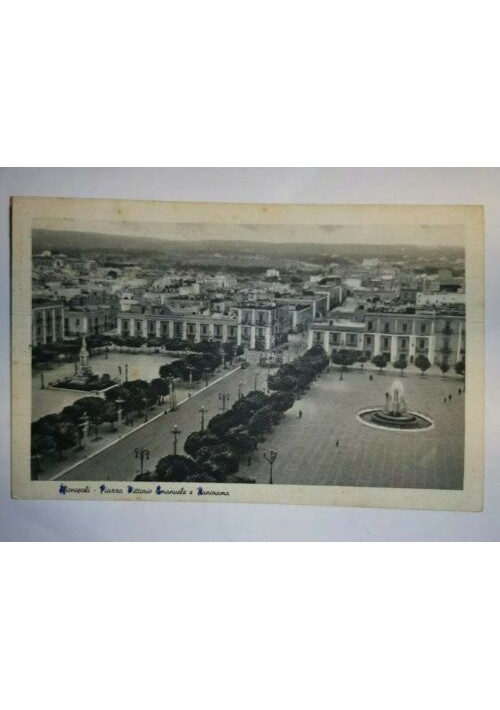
[{"x": 277, "y": 358}]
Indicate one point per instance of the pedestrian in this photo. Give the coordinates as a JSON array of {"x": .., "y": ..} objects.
[
  {"x": 445, "y": 400},
  {"x": 449, "y": 397},
  {"x": 459, "y": 392},
  {"x": 337, "y": 443},
  {"x": 189, "y": 395},
  {"x": 371, "y": 378},
  {"x": 300, "y": 413}
]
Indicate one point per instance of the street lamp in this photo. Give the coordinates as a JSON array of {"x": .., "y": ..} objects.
[
  {"x": 84, "y": 425},
  {"x": 145, "y": 403},
  {"x": 171, "y": 384},
  {"x": 255, "y": 381},
  {"x": 119, "y": 411},
  {"x": 126, "y": 372},
  {"x": 202, "y": 411},
  {"x": 175, "y": 431},
  {"x": 43, "y": 381},
  {"x": 271, "y": 458},
  {"x": 190, "y": 368},
  {"x": 224, "y": 397},
  {"x": 142, "y": 453},
  {"x": 240, "y": 385}
]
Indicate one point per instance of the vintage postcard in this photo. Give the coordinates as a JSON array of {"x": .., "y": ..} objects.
[{"x": 297, "y": 354}]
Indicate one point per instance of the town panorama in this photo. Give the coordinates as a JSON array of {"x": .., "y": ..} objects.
[{"x": 247, "y": 362}]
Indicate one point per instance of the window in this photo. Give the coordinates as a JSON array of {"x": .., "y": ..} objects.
[
  {"x": 405, "y": 327},
  {"x": 368, "y": 339},
  {"x": 386, "y": 327},
  {"x": 386, "y": 342},
  {"x": 421, "y": 344},
  {"x": 369, "y": 325},
  {"x": 404, "y": 343},
  {"x": 423, "y": 328}
]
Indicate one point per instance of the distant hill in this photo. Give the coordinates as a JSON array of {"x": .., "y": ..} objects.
[{"x": 72, "y": 243}]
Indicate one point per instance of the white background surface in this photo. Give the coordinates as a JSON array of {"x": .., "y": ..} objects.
[
  {"x": 267, "y": 82},
  {"x": 74, "y": 520}
]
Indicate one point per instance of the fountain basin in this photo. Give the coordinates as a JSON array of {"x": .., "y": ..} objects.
[{"x": 395, "y": 421}]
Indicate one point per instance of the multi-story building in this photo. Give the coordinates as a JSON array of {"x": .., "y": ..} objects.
[
  {"x": 47, "y": 323},
  {"x": 261, "y": 326},
  {"x": 255, "y": 325},
  {"x": 439, "y": 335},
  {"x": 197, "y": 327},
  {"x": 90, "y": 319}
]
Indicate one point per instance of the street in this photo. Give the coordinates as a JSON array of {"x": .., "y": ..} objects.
[{"x": 118, "y": 463}]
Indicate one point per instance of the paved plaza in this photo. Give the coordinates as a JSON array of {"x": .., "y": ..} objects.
[
  {"x": 307, "y": 447},
  {"x": 50, "y": 401}
]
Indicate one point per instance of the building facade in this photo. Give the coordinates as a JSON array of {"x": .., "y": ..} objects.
[
  {"x": 440, "y": 337},
  {"x": 47, "y": 324}
]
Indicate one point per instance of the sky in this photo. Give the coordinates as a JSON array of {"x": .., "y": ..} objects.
[{"x": 426, "y": 235}]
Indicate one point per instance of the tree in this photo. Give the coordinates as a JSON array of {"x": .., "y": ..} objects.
[
  {"x": 197, "y": 440},
  {"x": 110, "y": 414},
  {"x": 344, "y": 358},
  {"x": 444, "y": 367},
  {"x": 460, "y": 368},
  {"x": 423, "y": 363},
  {"x": 260, "y": 422},
  {"x": 159, "y": 388},
  {"x": 174, "y": 468},
  {"x": 281, "y": 401},
  {"x": 229, "y": 351},
  {"x": 165, "y": 371},
  {"x": 240, "y": 350},
  {"x": 361, "y": 358},
  {"x": 400, "y": 364},
  {"x": 380, "y": 361},
  {"x": 241, "y": 441}
]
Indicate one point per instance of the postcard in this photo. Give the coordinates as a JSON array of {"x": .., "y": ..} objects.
[{"x": 245, "y": 353}]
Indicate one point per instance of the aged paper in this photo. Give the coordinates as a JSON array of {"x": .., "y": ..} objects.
[{"x": 300, "y": 354}]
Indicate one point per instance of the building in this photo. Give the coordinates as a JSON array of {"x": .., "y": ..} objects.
[
  {"x": 263, "y": 325},
  {"x": 196, "y": 327},
  {"x": 258, "y": 326},
  {"x": 440, "y": 335},
  {"x": 89, "y": 320},
  {"x": 47, "y": 323}
]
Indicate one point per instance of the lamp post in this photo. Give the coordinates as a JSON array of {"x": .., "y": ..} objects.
[
  {"x": 202, "y": 411},
  {"x": 224, "y": 397},
  {"x": 255, "y": 382},
  {"x": 271, "y": 458},
  {"x": 126, "y": 372},
  {"x": 43, "y": 381},
  {"x": 142, "y": 453},
  {"x": 119, "y": 411},
  {"x": 190, "y": 369},
  {"x": 84, "y": 425},
  {"x": 206, "y": 376},
  {"x": 175, "y": 431},
  {"x": 240, "y": 385},
  {"x": 171, "y": 384},
  {"x": 145, "y": 403}
]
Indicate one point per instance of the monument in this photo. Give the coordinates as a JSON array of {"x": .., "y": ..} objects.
[{"x": 84, "y": 379}]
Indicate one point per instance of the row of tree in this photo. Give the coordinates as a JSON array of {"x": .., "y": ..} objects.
[
  {"x": 296, "y": 377},
  {"x": 347, "y": 358},
  {"x": 214, "y": 454}
]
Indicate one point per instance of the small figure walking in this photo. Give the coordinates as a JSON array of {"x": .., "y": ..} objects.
[
  {"x": 371, "y": 377},
  {"x": 337, "y": 443},
  {"x": 459, "y": 392},
  {"x": 300, "y": 413},
  {"x": 449, "y": 398},
  {"x": 445, "y": 400}
]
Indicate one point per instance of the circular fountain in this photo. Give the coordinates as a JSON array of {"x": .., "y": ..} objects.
[{"x": 395, "y": 414}]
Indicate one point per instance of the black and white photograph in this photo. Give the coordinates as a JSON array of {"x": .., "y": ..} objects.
[{"x": 208, "y": 357}]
